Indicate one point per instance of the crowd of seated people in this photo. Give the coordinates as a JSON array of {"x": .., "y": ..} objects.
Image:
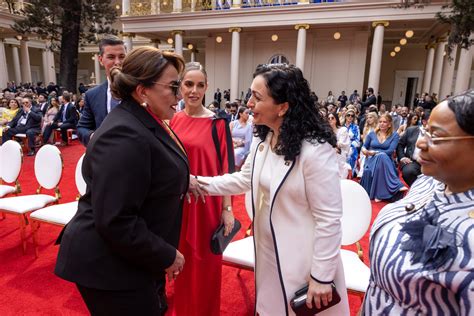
[{"x": 48, "y": 109}]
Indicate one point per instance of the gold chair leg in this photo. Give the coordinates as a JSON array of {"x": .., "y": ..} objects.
[
  {"x": 23, "y": 231},
  {"x": 34, "y": 228}
]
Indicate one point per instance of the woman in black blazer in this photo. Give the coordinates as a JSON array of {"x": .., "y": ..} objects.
[{"x": 122, "y": 242}]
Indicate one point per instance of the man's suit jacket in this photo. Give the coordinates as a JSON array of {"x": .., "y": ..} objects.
[
  {"x": 372, "y": 99},
  {"x": 126, "y": 229},
  {"x": 71, "y": 114},
  {"x": 306, "y": 207},
  {"x": 407, "y": 143},
  {"x": 33, "y": 120},
  {"x": 43, "y": 107},
  {"x": 94, "y": 112}
]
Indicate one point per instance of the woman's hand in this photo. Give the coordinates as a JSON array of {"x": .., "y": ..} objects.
[
  {"x": 195, "y": 189},
  {"x": 175, "y": 269},
  {"x": 318, "y": 293},
  {"x": 227, "y": 218}
]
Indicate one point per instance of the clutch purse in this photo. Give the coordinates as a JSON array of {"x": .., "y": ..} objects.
[
  {"x": 298, "y": 303},
  {"x": 219, "y": 242}
]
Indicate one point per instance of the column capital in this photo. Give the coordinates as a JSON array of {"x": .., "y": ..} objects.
[
  {"x": 441, "y": 39},
  {"x": 177, "y": 32},
  {"x": 301, "y": 26},
  {"x": 21, "y": 38},
  {"x": 430, "y": 45},
  {"x": 377, "y": 23},
  {"x": 235, "y": 29}
]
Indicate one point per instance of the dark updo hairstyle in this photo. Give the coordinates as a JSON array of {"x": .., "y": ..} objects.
[
  {"x": 241, "y": 110},
  {"x": 143, "y": 66},
  {"x": 302, "y": 121},
  {"x": 463, "y": 107}
]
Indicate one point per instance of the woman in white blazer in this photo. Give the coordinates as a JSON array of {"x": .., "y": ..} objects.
[{"x": 292, "y": 174}]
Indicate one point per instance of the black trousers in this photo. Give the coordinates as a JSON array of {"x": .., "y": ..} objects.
[
  {"x": 30, "y": 135},
  {"x": 64, "y": 127},
  {"x": 149, "y": 301},
  {"x": 410, "y": 172}
]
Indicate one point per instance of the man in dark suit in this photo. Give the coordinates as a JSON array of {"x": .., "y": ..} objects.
[
  {"x": 407, "y": 152},
  {"x": 371, "y": 99},
  {"x": 98, "y": 102},
  {"x": 65, "y": 119},
  {"x": 28, "y": 121},
  {"x": 218, "y": 96},
  {"x": 42, "y": 104}
]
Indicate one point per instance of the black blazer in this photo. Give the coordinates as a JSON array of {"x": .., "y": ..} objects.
[
  {"x": 33, "y": 120},
  {"x": 71, "y": 114},
  {"x": 94, "y": 112},
  {"x": 126, "y": 230},
  {"x": 407, "y": 143}
]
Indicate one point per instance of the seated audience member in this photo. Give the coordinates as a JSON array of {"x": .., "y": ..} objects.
[
  {"x": 79, "y": 104},
  {"x": 407, "y": 153},
  {"x": 372, "y": 108},
  {"x": 27, "y": 121},
  {"x": 354, "y": 135},
  {"x": 48, "y": 118},
  {"x": 343, "y": 143},
  {"x": 9, "y": 113},
  {"x": 421, "y": 246},
  {"x": 371, "y": 124},
  {"x": 380, "y": 178},
  {"x": 241, "y": 130},
  {"x": 65, "y": 119},
  {"x": 412, "y": 120}
]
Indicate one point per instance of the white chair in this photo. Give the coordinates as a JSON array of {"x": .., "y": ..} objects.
[
  {"x": 48, "y": 170},
  {"x": 240, "y": 254},
  {"x": 11, "y": 158},
  {"x": 357, "y": 213},
  {"x": 58, "y": 214}
]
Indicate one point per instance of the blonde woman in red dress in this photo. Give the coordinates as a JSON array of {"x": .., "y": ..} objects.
[{"x": 197, "y": 290}]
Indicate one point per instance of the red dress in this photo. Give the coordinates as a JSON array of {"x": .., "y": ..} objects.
[{"x": 197, "y": 289}]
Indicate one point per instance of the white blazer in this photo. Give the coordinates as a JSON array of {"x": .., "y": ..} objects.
[{"x": 306, "y": 208}]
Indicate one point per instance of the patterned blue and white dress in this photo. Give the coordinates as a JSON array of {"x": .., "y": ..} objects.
[{"x": 431, "y": 275}]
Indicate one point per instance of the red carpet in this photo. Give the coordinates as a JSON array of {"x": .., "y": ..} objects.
[{"x": 29, "y": 287}]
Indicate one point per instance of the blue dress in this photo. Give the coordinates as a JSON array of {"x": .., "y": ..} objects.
[
  {"x": 354, "y": 135},
  {"x": 429, "y": 268},
  {"x": 380, "y": 178}
]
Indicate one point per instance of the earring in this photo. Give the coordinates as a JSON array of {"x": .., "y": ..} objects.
[{"x": 144, "y": 104}]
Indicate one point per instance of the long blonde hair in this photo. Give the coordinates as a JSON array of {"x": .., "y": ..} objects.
[
  {"x": 390, "y": 128},
  {"x": 367, "y": 126}
]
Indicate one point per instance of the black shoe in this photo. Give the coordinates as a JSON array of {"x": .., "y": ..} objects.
[{"x": 31, "y": 153}]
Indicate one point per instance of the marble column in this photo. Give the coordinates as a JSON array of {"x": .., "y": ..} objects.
[
  {"x": 236, "y": 4},
  {"x": 97, "y": 69},
  {"x": 178, "y": 42},
  {"x": 193, "y": 55},
  {"x": 177, "y": 6},
  {"x": 438, "y": 66},
  {"x": 3, "y": 65},
  {"x": 16, "y": 64},
  {"x": 125, "y": 7},
  {"x": 234, "y": 63},
  {"x": 128, "y": 41},
  {"x": 301, "y": 45},
  {"x": 464, "y": 70},
  {"x": 448, "y": 73},
  {"x": 45, "y": 60},
  {"x": 52, "y": 66},
  {"x": 376, "y": 55},
  {"x": 25, "y": 60},
  {"x": 428, "y": 68}
]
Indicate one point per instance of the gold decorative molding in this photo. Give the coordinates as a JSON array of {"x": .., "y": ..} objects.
[
  {"x": 441, "y": 39},
  {"x": 301, "y": 26},
  {"x": 235, "y": 29},
  {"x": 430, "y": 45},
  {"x": 303, "y": 1},
  {"x": 377, "y": 23}
]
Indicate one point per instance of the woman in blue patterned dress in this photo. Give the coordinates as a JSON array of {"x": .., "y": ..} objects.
[
  {"x": 421, "y": 247},
  {"x": 380, "y": 178},
  {"x": 354, "y": 135}
]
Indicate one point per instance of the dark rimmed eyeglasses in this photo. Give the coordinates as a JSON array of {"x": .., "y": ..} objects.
[
  {"x": 435, "y": 140},
  {"x": 349, "y": 115},
  {"x": 173, "y": 86}
]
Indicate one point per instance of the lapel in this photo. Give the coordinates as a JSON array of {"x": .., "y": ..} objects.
[
  {"x": 148, "y": 121},
  {"x": 102, "y": 98}
]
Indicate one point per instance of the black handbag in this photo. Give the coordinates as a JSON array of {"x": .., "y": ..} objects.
[
  {"x": 298, "y": 303},
  {"x": 219, "y": 242}
]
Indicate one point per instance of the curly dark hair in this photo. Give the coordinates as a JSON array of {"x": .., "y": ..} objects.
[
  {"x": 302, "y": 120},
  {"x": 463, "y": 107}
]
